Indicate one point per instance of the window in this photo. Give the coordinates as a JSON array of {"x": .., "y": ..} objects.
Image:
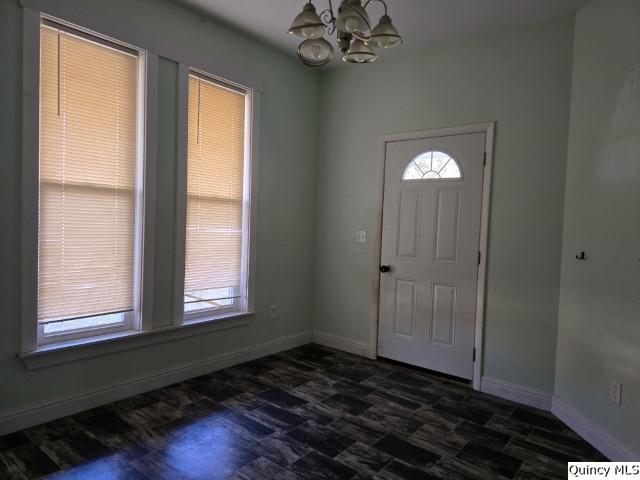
[
  {"x": 216, "y": 245},
  {"x": 89, "y": 159},
  {"x": 432, "y": 165},
  {"x": 90, "y": 185}
]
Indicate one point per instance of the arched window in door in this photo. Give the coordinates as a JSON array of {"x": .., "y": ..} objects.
[{"x": 432, "y": 165}]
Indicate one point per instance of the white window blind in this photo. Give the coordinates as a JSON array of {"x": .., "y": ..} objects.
[
  {"x": 88, "y": 159},
  {"x": 215, "y": 172}
]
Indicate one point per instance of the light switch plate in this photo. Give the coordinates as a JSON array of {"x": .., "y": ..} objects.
[{"x": 361, "y": 236}]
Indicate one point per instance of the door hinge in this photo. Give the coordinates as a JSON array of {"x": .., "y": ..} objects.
[
  {"x": 474, "y": 354},
  {"x": 479, "y": 257}
]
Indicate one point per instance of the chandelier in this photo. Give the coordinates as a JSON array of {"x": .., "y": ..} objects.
[{"x": 356, "y": 38}]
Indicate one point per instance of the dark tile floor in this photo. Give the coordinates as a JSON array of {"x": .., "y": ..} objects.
[{"x": 308, "y": 413}]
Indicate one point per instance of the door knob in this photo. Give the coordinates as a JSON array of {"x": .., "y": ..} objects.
[{"x": 385, "y": 268}]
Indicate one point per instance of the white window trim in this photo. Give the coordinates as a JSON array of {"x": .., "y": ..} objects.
[
  {"x": 74, "y": 12},
  {"x": 73, "y": 350},
  {"x": 249, "y": 223},
  {"x": 32, "y": 334},
  {"x": 144, "y": 208},
  {"x": 126, "y": 325},
  {"x": 440, "y": 179}
]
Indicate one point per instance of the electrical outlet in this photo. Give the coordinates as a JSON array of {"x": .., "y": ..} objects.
[
  {"x": 361, "y": 236},
  {"x": 615, "y": 392},
  {"x": 273, "y": 311}
]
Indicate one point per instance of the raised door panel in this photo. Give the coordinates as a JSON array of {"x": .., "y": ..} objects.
[
  {"x": 408, "y": 224},
  {"x": 405, "y": 308},
  {"x": 447, "y": 225},
  {"x": 443, "y": 314}
]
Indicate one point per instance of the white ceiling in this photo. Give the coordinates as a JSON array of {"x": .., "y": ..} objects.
[{"x": 421, "y": 22}]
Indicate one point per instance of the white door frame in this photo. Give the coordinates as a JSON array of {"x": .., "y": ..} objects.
[{"x": 489, "y": 130}]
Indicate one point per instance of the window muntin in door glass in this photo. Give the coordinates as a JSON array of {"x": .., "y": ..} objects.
[{"x": 432, "y": 165}]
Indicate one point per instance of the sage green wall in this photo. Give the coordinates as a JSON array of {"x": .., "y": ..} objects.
[
  {"x": 285, "y": 193},
  {"x": 521, "y": 79},
  {"x": 599, "y": 315}
]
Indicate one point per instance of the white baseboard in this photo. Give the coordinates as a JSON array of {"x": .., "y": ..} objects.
[
  {"x": 516, "y": 393},
  {"x": 38, "y": 413},
  {"x": 344, "y": 344},
  {"x": 598, "y": 438}
]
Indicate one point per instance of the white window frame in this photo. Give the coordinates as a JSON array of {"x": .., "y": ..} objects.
[
  {"x": 76, "y": 13},
  {"x": 245, "y": 304},
  {"x": 33, "y": 335},
  {"x": 440, "y": 179},
  {"x": 132, "y": 320},
  {"x": 126, "y": 325},
  {"x": 213, "y": 312}
]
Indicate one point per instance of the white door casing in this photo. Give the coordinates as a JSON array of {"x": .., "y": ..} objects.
[{"x": 431, "y": 242}]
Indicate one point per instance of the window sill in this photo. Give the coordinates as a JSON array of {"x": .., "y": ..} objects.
[{"x": 64, "y": 352}]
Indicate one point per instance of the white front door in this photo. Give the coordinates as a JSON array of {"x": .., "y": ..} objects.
[{"x": 430, "y": 251}]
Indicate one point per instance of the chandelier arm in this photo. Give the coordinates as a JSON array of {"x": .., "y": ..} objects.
[
  {"x": 330, "y": 7},
  {"x": 381, "y": 1},
  {"x": 329, "y": 19}
]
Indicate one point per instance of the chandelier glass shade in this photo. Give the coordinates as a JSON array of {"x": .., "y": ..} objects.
[
  {"x": 315, "y": 52},
  {"x": 307, "y": 23},
  {"x": 359, "y": 52},
  {"x": 385, "y": 34},
  {"x": 352, "y": 25},
  {"x": 353, "y": 18}
]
